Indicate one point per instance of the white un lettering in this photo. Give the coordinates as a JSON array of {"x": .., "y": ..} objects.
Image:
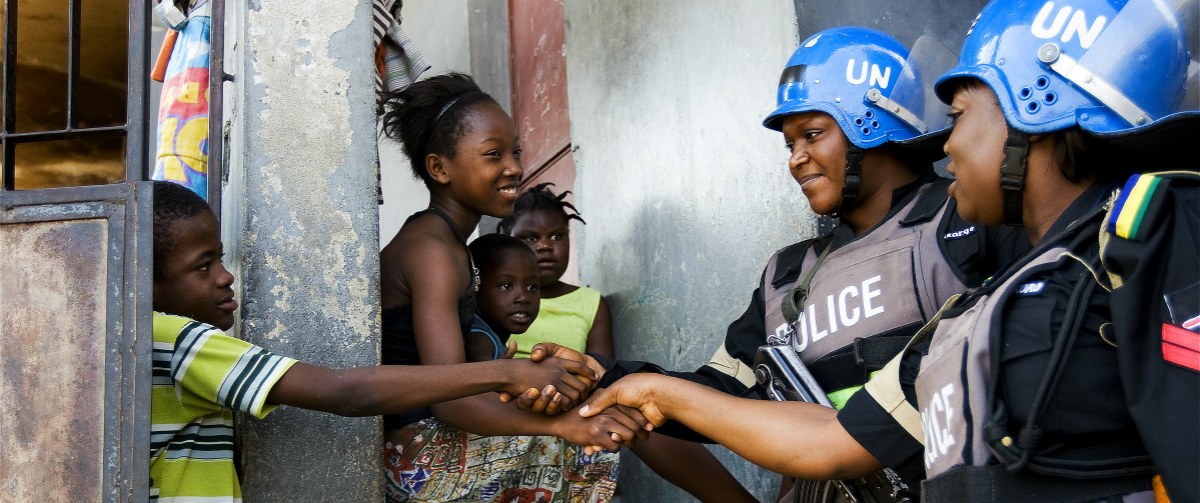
[
  {"x": 849, "y": 306},
  {"x": 880, "y": 78},
  {"x": 936, "y": 419},
  {"x": 1077, "y": 26}
]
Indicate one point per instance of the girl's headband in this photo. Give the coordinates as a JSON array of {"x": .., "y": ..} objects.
[{"x": 452, "y": 103}]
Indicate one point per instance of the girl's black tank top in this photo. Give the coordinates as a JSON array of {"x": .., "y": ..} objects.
[{"x": 398, "y": 345}]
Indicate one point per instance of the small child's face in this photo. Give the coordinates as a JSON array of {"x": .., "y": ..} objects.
[
  {"x": 547, "y": 234},
  {"x": 194, "y": 282},
  {"x": 509, "y": 295}
]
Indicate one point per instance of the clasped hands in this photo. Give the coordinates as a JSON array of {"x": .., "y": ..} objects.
[{"x": 597, "y": 427}]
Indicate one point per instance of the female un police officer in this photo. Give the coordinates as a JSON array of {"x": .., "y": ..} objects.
[
  {"x": 1039, "y": 385},
  {"x": 848, "y": 101}
]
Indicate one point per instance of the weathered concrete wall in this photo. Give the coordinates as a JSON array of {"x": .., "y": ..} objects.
[
  {"x": 301, "y": 215},
  {"x": 488, "y": 24},
  {"x": 685, "y": 193}
]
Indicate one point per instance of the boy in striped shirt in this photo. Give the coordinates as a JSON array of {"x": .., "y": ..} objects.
[{"x": 202, "y": 375}]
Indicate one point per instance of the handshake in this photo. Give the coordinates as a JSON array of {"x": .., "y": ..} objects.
[{"x": 569, "y": 379}]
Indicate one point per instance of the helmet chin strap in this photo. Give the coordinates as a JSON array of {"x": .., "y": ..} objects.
[
  {"x": 1012, "y": 174},
  {"x": 854, "y": 156}
]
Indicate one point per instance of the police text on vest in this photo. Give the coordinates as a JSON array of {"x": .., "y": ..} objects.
[
  {"x": 936, "y": 418},
  {"x": 843, "y": 310}
]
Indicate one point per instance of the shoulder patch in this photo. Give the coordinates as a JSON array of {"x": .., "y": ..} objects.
[
  {"x": 1133, "y": 208},
  {"x": 788, "y": 261}
]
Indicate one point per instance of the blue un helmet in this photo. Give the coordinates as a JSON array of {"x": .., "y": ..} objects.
[
  {"x": 1114, "y": 68},
  {"x": 865, "y": 80}
]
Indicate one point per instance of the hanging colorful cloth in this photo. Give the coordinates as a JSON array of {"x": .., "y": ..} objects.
[
  {"x": 398, "y": 62},
  {"x": 183, "y": 110}
]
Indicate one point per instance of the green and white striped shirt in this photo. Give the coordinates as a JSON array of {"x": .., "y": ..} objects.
[{"x": 201, "y": 376}]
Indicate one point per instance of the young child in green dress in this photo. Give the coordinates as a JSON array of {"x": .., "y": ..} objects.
[
  {"x": 578, "y": 317},
  {"x": 574, "y": 316}
]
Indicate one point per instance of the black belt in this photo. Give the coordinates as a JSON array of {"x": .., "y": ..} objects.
[
  {"x": 993, "y": 484},
  {"x": 852, "y": 365}
]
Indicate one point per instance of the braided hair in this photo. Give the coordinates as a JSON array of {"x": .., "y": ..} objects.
[
  {"x": 172, "y": 203},
  {"x": 540, "y": 197},
  {"x": 427, "y": 117}
]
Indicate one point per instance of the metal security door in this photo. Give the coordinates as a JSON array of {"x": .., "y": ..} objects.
[
  {"x": 75, "y": 278},
  {"x": 75, "y": 332}
]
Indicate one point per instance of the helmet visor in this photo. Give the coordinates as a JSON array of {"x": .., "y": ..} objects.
[
  {"x": 912, "y": 100},
  {"x": 1140, "y": 30}
]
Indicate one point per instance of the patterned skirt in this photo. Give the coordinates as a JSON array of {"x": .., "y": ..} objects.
[{"x": 436, "y": 463}]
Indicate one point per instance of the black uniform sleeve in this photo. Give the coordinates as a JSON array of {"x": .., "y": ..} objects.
[
  {"x": 742, "y": 339},
  {"x": 1155, "y": 313},
  {"x": 977, "y": 251},
  {"x": 876, "y": 430}
]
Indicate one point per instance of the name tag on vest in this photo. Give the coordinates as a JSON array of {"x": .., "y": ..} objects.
[{"x": 1031, "y": 288}]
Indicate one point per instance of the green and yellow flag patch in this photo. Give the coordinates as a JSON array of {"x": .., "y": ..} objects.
[{"x": 1134, "y": 206}]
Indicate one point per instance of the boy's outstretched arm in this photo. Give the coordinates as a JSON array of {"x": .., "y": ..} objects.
[
  {"x": 387, "y": 389},
  {"x": 793, "y": 438}
]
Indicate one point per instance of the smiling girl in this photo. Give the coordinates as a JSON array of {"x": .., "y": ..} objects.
[{"x": 465, "y": 149}]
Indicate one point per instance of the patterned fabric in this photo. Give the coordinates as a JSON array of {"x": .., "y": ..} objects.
[
  {"x": 397, "y": 60},
  {"x": 438, "y": 463},
  {"x": 565, "y": 320},
  {"x": 183, "y": 108},
  {"x": 200, "y": 376}
]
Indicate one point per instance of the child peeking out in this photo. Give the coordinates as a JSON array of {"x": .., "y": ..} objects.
[
  {"x": 201, "y": 375},
  {"x": 579, "y": 318},
  {"x": 574, "y": 316},
  {"x": 508, "y": 295}
]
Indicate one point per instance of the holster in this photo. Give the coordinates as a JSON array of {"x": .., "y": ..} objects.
[{"x": 780, "y": 372}]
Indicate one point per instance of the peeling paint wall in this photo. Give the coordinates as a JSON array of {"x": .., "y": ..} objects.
[
  {"x": 686, "y": 195},
  {"x": 301, "y": 221}
]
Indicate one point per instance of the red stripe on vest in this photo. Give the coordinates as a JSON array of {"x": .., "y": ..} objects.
[
  {"x": 1180, "y": 356},
  {"x": 1180, "y": 337}
]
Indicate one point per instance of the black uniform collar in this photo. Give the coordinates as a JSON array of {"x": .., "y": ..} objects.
[
  {"x": 1083, "y": 207},
  {"x": 842, "y": 233},
  {"x": 1093, "y": 196},
  {"x": 792, "y": 257}
]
